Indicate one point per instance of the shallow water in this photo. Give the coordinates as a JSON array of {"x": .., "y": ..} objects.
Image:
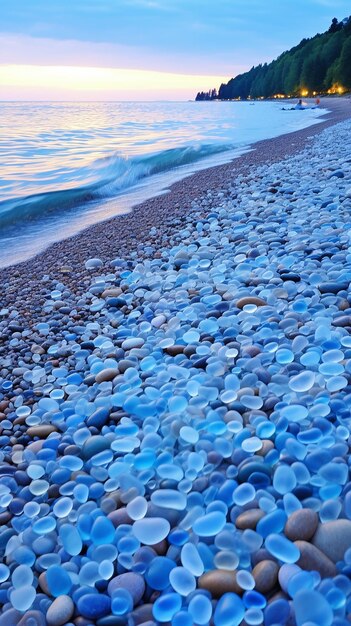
[{"x": 64, "y": 166}]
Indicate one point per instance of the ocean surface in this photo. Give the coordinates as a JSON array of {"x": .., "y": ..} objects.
[{"x": 65, "y": 166}]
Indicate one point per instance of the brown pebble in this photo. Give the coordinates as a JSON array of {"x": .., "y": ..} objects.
[
  {"x": 250, "y": 300},
  {"x": 249, "y": 519},
  {"x": 265, "y": 574},
  {"x": 42, "y": 430},
  {"x": 106, "y": 375},
  {"x": 174, "y": 350},
  {"x": 218, "y": 582},
  {"x": 302, "y": 524},
  {"x": 267, "y": 446},
  {"x": 313, "y": 559},
  {"x": 333, "y": 538}
]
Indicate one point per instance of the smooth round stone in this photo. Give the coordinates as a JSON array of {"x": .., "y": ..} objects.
[
  {"x": 103, "y": 531},
  {"x": 191, "y": 559},
  {"x": 4, "y": 572},
  {"x": 243, "y": 494},
  {"x": 91, "y": 264},
  {"x": 58, "y": 581},
  {"x": 62, "y": 507},
  {"x": 106, "y": 375},
  {"x": 137, "y": 508},
  {"x": 94, "y": 445},
  {"x": 301, "y": 524},
  {"x": 22, "y": 576},
  {"x": 94, "y": 605},
  {"x": 282, "y": 548},
  {"x": 131, "y": 582},
  {"x": 151, "y": 530},
  {"x": 265, "y": 574},
  {"x": 302, "y": 382},
  {"x": 169, "y": 499},
  {"x": 31, "y": 618},
  {"x": 200, "y": 608},
  {"x": 210, "y": 524},
  {"x": 71, "y": 539},
  {"x": 249, "y": 519},
  {"x": 333, "y": 539},
  {"x": 294, "y": 412},
  {"x": 311, "y": 606},
  {"x": 333, "y": 287},
  {"x": 219, "y": 581},
  {"x": 284, "y": 479},
  {"x": 284, "y": 356},
  {"x": 60, "y": 611},
  {"x": 188, "y": 434},
  {"x": 182, "y": 581},
  {"x": 122, "y": 602},
  {"x": 245, "y": 580},
  {"x": 166, "y": 606},
  {"x": 250, "y": 300},
  {"x": 22, "y": 598},
  {"x": 229, "y": 610},
  {"x": 311, "y": 558},
  {"x": 44, "y": 525}
]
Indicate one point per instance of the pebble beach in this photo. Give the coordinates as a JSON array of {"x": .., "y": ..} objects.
[{"x": 175, "y": 395}]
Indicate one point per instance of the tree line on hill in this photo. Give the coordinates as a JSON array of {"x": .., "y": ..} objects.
[{"x": 321, "y": 64}]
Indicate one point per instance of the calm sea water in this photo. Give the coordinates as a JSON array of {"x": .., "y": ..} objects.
[{"x": 64, "y": 166}]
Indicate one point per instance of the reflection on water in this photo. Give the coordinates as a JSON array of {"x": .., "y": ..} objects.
[{"x": 64, "y": 166}]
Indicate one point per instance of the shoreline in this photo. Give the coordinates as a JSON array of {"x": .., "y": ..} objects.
[{"x": 129, "y": 228}]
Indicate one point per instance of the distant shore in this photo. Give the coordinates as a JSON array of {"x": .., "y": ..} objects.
[{"x": 120, "y": 235}]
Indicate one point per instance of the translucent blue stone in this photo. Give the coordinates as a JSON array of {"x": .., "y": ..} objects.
[
  {"x": 22, "y": 598},
  {"x": 71, "y": 539},
  {"x": 182, "y": 581},
  {"x": 182, "y": 618},
  {"x": 103, "y": 531},
  {"x": 301, "y": 580},
  {"x": 229, "y": 610},
  {"x": 166, "y": 606},
  {"x": 284, "y": 356},
  {"x": 22, "y": 576},
  {"x": 121, "y": 602},
  {"x": 188, "y": 434},
  {"x": 243, "y": 494},
  {"x": 294, "y": 412},
  {"x": 210, "y": 524},
  {"x": 302, "y": 382},
  {"x": 335, "y": 472},
  {"x": 253, "y": 617},
  {"x": 151, "y": 530},
  {"x": 169, "y": 499},
  {"x": 283, "y": 549},
  {"x": 105, "y": 570},
  {"x": 191, "y": 559},
  {"x": 273, "y": 522},
  {"x": 94, "y": 605},
  {"x": 311, "y": 606},
  {"x": 157, "y": 575},
  {"x": 254, "y": 599},
  {"x": 44, "y": 525},
  {"x": 58, "y": 581},
  {"x": 284, "y": 479},
  {"x": 137, "y": 508},
  {"x": 200, "y": 608},
  {"x": 245, "y": 580},
  {"x": 62, "y": 507},
  {"x": 4, "y": 572}
]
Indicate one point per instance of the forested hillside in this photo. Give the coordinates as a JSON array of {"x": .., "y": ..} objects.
[{"x": 318, "y": 65}]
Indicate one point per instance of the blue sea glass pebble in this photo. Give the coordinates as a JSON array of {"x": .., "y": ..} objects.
[
  {"x": 182, "y": 581},
  {"x": 157, "y": 575},
  {"x": 169, "y": 499},
  {"x": 311, "y": 606},
  {"x": 191, "y": 559},
  {"x": 137, "y": 508},
  {"x": 94, "y": 606},
  {"x": 58, "y": 580},
  {"x": 210, "y": 524},
  {"x": 282, "y": 548},
  {"x": 244, "y": 494},
  {"x": 229, "y": 610},
  {"x": 103, "y": 531},
  {"x": 4, "y": 572},
  {"x": 121, "y": 602},
  {"x": 284, "y": 479},
  {"x": 22, "y": 598},
  {"x": 200, "y": 608},
  {"x": 151, "y": 530},
  {"x": 166, "y": 606},
  {"x": 22, "y": 576},
  {"x": 63, "y": 507}
]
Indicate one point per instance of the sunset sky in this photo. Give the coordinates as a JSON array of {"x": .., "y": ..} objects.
[{"x": 145, "y": 49}]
